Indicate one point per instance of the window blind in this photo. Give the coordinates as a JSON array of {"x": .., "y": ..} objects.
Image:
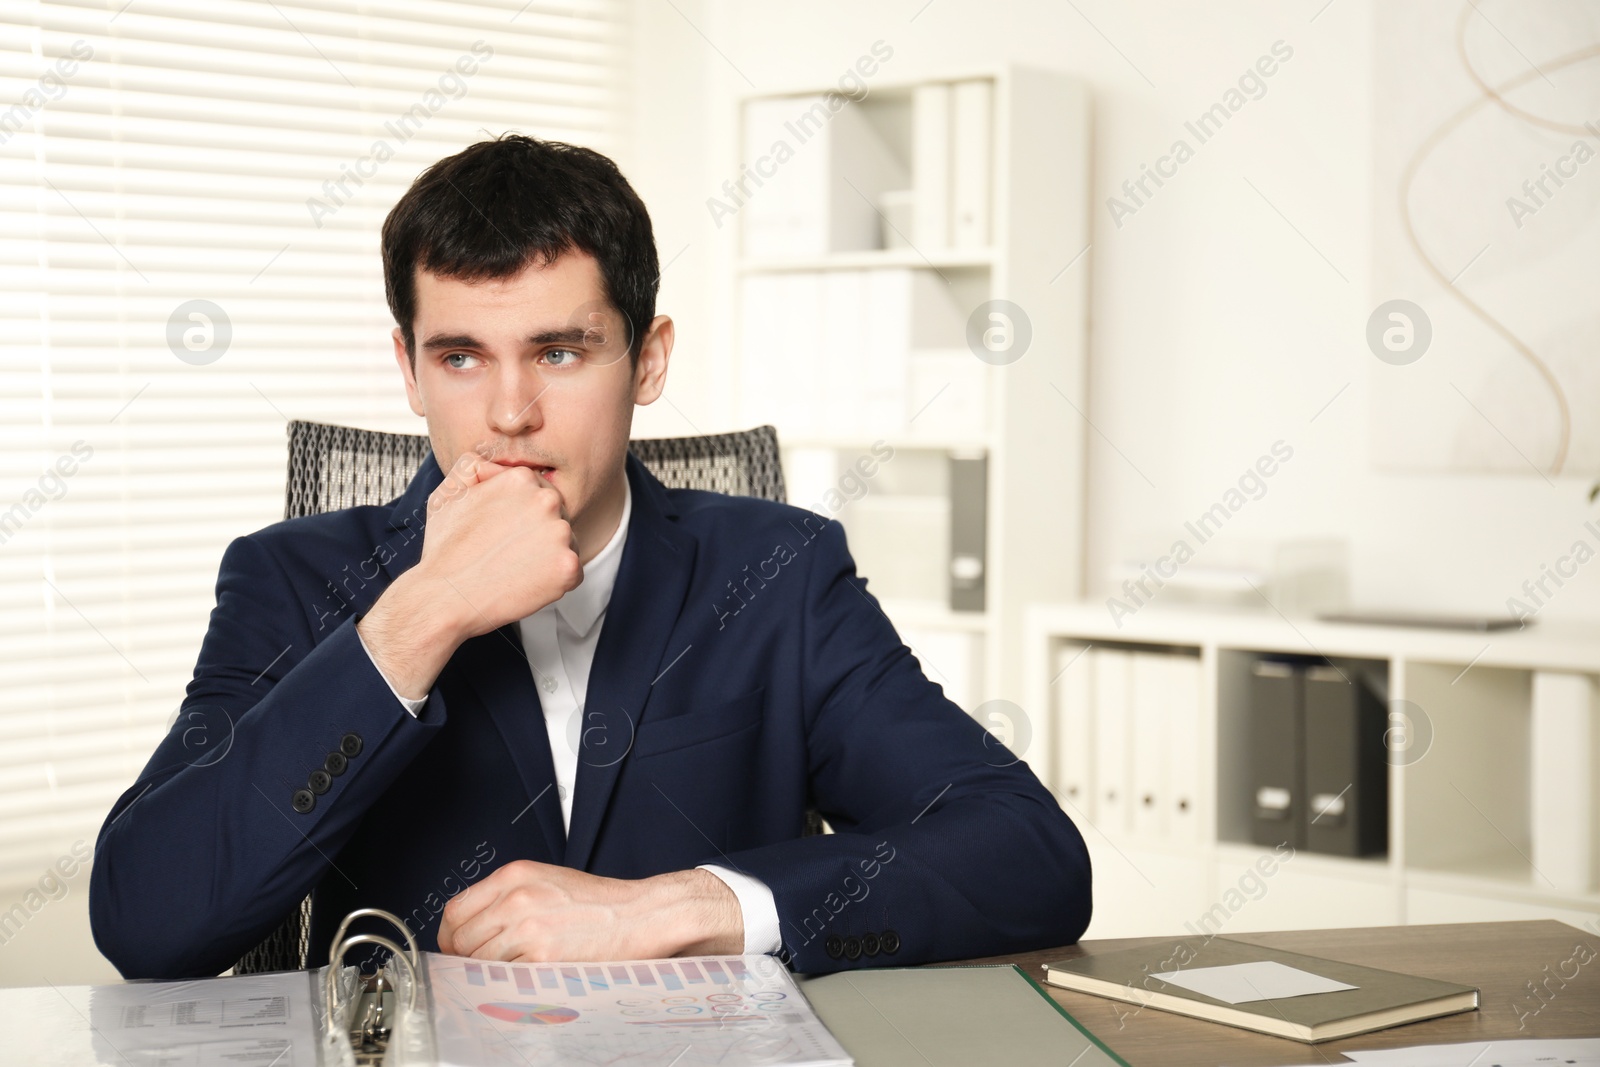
[{"x": 190, "y": 203}]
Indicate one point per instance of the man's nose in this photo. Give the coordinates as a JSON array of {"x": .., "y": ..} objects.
[{"x": 517, "y": 405}]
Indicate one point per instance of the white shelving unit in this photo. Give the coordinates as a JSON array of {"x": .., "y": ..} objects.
[
  {"x": 1461, "y": 832},
  {"x": 1019, "y": 415}
]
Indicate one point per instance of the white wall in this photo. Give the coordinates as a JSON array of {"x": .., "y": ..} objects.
[
  {"x": 1216, "y": 331},
  {"x": 1217, "y": 328}
]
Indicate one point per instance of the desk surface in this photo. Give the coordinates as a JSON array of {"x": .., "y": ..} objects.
[{"x": 1499, "y": 958}]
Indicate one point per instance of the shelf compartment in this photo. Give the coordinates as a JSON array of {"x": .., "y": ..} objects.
[{"x": 1468, "y": 795}]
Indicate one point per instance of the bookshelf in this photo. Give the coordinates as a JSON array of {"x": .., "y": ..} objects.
[
  {"x": 863, "y": 266},
  {"x": 1467, "y": 840}
]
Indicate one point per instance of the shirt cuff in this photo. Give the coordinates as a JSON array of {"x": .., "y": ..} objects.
[
  {"x": 414, "y": 706},
  {"x": 761, "y": 932}
]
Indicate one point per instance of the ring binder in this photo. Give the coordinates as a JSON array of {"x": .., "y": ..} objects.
[
  {"x": 364, "y": 1019},
  {"x": 424, "y": 1008},
  {"x": 378, "y": 913}
]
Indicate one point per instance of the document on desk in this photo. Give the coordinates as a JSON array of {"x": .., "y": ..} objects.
[
  {"x": 249, "y": 1021},
  {"x": 688, "y": 1012},
  {"x": 1526, "y": 1052}
]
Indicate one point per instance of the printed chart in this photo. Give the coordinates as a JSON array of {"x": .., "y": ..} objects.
[{"x": 705, "y": 1010}]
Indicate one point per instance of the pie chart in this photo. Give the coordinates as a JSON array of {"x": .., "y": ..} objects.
[{"x": 536, "y": 1014}]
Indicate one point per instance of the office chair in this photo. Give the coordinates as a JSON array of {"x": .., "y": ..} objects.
[{"x": 334, "y": 467}]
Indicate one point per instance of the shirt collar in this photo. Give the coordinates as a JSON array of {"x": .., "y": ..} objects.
[{"x": 580, "y": 607}]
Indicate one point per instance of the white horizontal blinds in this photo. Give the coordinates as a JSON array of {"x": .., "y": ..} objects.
[{"x": 242, "y": 153}]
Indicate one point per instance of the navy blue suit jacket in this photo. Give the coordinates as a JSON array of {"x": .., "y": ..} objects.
[{"x": 743, "y": 674}]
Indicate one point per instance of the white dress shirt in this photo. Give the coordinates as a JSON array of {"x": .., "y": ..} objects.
[{"x": 559, "y": 640}]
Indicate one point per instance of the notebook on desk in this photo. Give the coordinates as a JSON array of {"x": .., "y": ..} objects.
[{"x": 1268, "y": 990}]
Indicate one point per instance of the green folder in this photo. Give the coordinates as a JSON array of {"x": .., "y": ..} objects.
[{"x": 950, "y": 1017}]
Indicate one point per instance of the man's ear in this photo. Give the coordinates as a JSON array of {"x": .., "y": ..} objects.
[
  {"x": 650, "y": 378},
  {"x": 407, "y": 372}
]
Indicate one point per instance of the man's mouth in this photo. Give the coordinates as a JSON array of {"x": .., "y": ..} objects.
[{"x": 538, "y": 468}]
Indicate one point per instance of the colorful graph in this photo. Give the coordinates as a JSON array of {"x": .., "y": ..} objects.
[
  {"x": 536, "y": 1014},
  {"x": 726, "y": 1010}
]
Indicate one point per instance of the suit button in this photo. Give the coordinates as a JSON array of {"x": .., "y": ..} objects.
[
  {"x": 350, "y": 745},
  {"x": 852, "y": 948},
  {"x": 319, "y": 782},
  {"x": 834, "y": 947},
  {"x": 335, "y": 764},
  {"x": 890, "y": 941},
  {"x": 870, "y": 944},
  {"x": 303, "y": 800}
]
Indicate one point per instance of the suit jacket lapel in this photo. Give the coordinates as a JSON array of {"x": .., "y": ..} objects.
[
  {"x": 407, "y": 520},
  {"x": 652, "y": 579},
  {"x": 496, "y": 666}
]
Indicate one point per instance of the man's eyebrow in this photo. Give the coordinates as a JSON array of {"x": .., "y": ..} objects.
[{"x": 568, "y": 335}]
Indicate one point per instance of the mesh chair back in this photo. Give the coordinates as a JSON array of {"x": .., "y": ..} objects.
[{"x": 334, "y": 467}]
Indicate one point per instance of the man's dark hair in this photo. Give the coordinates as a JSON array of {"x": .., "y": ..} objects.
[{"x": 499, "y": 206}]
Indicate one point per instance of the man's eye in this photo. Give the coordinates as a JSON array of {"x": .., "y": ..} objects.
[
  {"x": 455, "y": 356},
  {"x": 553, "y": 357}
]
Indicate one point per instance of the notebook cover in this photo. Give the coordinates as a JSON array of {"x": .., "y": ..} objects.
[{"x": 1377, "y": 990}]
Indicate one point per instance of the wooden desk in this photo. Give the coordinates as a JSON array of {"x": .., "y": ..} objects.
[{"x": 1499, "y": 958}]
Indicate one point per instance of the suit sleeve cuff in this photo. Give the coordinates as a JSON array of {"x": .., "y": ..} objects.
[
  {"x": 413, "y": 705},
  {"x": 760, "y": 911}
]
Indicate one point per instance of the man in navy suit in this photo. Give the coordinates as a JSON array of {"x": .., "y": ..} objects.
[{"x": 546, "y": 709}]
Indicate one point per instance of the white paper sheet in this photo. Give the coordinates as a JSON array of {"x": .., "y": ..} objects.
[
  {"x": 1240, "y": 983},
  {"x": 1527, "y": 1052},
  {"x": 249, "y": 1021},
  {"x": 1523, "y": 1052},
  {"x": 692, "y": 1012}
]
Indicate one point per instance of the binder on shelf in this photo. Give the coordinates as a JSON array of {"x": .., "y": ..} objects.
[
  {"x": 1150, "y": 719},
  {"x": 803, "y": 383},
  {"x": 1112, "y": 668},
  {"x": 906, "y": 310},
  {"x": 843, "y": 354},
  {"x": 876, "y": 358},
  {"x": 948, "y": 394},
  {"x": 1074, "y": 717},
  {"x": 762, "y": 326},
  {"x": 1319, "y": 779},
  {"x": 1276, "y": 750},
  {"x": 930, "y": 166},
  {"x": 968, "y": 538},
  {"x": 1346, "y": 809},
  {"x": 972, "y": 137},
  {"x": 1184, "y": 752},
  {"x": 1565, "y": 751}
]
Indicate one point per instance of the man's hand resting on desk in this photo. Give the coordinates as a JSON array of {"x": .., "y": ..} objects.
[{"x": 540, "y": 912}]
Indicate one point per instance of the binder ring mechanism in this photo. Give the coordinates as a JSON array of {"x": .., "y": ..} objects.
[{"x": 370, "y": 1025}]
